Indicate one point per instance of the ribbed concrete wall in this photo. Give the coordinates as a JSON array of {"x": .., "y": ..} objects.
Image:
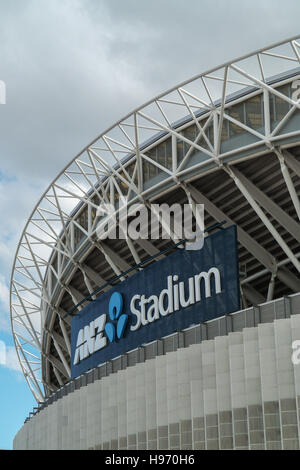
[{"x": 238, "y": 391}]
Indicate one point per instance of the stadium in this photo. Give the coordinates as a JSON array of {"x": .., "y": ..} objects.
[{"x": 215, "y": 374}]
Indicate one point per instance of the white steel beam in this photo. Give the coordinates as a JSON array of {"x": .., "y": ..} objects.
[
  {"x": 87, "y": 282},
  {"x": 292, "y": 162},
  {"x": 77, "y": 296},
  {"x": 245, "y": 191},
  {"x": 94, "y": 276},
  {"x": 58, "y": 378},
  {"x": 289, "y": 279},
  {"x": 260, "y": 253},
  {"x": 113, "y": 256},
  {"x": 59, "y": 339},
  {"x": 266, "y": 202},
  {"x": 148, "y": 247},
  {"x": 288, "y": 181},
  {"x": 62, "y": 357},
  {"x": 58, "y": 365}
]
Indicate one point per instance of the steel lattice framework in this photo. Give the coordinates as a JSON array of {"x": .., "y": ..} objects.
[{"x": 254, "y": 183}]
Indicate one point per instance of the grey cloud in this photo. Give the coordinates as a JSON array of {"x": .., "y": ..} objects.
[{"x": 74, "y": 67}]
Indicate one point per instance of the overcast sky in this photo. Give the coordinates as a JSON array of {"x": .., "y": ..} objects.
[{"x": 73, "y": 67}]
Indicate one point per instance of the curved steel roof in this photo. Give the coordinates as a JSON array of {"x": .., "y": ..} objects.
[{"x": 233, "y": 147}]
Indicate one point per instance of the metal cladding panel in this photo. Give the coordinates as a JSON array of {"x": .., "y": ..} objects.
[{"x": 219, "y": 251}]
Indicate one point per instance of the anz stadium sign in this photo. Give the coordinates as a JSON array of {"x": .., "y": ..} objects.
[{"x": 183, "y": 289}]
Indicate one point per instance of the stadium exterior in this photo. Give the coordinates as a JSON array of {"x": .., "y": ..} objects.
[{"x": 229, "y": 139}]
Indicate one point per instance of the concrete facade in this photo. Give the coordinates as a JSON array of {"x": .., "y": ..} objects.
[{"x": 235, "y": 391}]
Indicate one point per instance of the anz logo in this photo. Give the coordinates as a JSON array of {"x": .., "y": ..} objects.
[{"x": 93, "y": 336}]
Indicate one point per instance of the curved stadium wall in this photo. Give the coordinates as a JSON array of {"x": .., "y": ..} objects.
[{"x": 229, "y": 139}]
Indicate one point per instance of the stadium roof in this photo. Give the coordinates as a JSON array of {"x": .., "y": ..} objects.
[{"x": 203, "y": 140}]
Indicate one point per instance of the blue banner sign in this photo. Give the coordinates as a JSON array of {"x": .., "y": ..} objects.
[{"x": 182, "y": 289}]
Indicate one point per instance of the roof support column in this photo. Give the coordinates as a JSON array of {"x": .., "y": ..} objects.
[{"x": 271, "y": 288}]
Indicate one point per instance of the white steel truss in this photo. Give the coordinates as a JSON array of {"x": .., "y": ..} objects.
[{"x": 114, "y": 168}]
